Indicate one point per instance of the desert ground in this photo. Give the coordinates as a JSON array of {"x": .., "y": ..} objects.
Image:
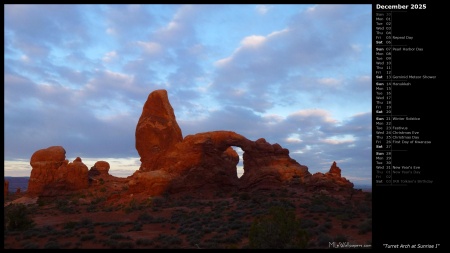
[{"x": 103, "y": 219}]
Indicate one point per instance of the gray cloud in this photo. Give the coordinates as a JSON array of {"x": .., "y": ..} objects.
[
  {"x": 78, "y": 76},
  {"x": 287, "y": 61}
]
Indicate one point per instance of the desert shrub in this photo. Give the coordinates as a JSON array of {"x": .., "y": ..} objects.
[
  {"x": 322, "y": 199},
  {"x": 113, "y": 244},
  {"x": 78, "y": 245},
  {"x": 66, "y": 245},
  {"x": 30, "y": 233},
  {"x": 87, "y": 237},
  {"x": 185, "y": 230},
  {"x": 64, "y": 206},
  {"x": 237, "y": 224},
  {"x": 41, "y": 202},
  {"x": 234, "y": 238},
  {"x": 208, "y": 230},
  {"x": 144, "y": 242},
  {"x": 29, "y": 245},
  {"x": 117, "y": 236},
  {"x": 110, "y": 231},
  {"x": 145, "y": 217},
  {"x": 365, "y": 226},
  {"x": 207, "y": 245},
  {"x": 48, "y": 229},
  {"x": 85, "y": 222},
  {"x": 133, "y": 205},
  {"x": 125, "y": 245},
  {"x": 340, "y": 238},
  {"x": 279, "y": 229},
  {"x": 157, "y": 201},
  {"x": 318, "y": 208},
  {"x": 244, "y": 196},
  {"x": 307, "y": 223},
  {"x": 220, "y": 194},
  {"x": 343, "y": 216},
  {"x": 325, "y": 226},
  {"x": 324, "y": 240},
  {"x": 194, "y": 238},
  {"x": 136, "y": 227},
  {"x": 52, "y": 245},
  {"x": 286, "y": 204},
  {"x": 16, "y": 217},
  {"x": 169, "y": 239},
  {"x": 365, "y": 207}
]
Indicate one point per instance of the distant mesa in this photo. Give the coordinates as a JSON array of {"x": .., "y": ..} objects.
[{"x": 173, "y": 164}]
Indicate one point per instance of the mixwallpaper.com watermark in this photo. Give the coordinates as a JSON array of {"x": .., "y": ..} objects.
[{"x": 347, "y": 245}]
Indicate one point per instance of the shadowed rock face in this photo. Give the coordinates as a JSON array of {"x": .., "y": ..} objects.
[{"x": 331, "y": 180}]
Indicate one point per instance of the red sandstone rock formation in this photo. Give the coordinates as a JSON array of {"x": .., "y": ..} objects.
[
  {"x": 99, "y": 173},
  {"x": 99, "y": 168},
  {"x": 6, "y": 188},
  {"x": 331, "y": 180},
  {"x": 172, "y": 164},
  {"x": 157, "y": 129},
  {"x": 267, "y": 166},
  {"x": 207, "y": 160},
  {"x": 53, "y": 175}
]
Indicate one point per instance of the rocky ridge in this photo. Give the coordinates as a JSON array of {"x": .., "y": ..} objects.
[{"x": 173, "y": 164}]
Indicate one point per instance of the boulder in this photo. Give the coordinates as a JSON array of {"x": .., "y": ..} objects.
[
  {"x": 99, "y": 168},
  {"x": 53, "y": 175}
]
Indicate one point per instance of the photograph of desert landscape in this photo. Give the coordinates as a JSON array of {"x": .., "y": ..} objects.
[{"x": 187, "y": 126}]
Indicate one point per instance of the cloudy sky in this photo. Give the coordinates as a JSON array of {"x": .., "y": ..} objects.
[{"x": 298, "y": 75}]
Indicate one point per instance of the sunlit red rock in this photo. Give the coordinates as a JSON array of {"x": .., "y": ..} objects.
[
  {"x": 157, "y": 129},
  {"x": 45, "y": 163},
  {"x": 207, "y": 160},
  {"x": 170, "y": 164},
  {"x": 53, "y": 175},
  {"x": 99, "y": 168}
]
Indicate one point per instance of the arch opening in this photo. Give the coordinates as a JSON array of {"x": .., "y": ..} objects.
[{"x": 240, "y": 165}]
